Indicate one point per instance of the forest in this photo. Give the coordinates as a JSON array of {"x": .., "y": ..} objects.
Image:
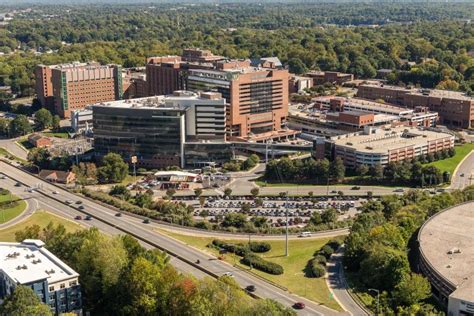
[{"x": 350, "y": 38}]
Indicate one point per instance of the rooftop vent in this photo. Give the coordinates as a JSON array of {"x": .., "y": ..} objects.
[{"x": 453, "y": 251}]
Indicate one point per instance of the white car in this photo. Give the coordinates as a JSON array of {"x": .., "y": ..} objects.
[
  {"x": 229, "y": 274},
  {"x": 55, "y": 192}
]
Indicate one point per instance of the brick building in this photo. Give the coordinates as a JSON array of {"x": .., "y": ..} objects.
[
  {"x": 68, "y": 87},
  {"x": 322, "y": 77},
  {"x": 39, "y": 141},
  {"x": 455, "y": 109}
]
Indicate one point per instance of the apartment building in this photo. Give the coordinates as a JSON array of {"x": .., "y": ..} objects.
[
  {"x": 29, "y": 264},
  {"x": 455, "y": 109},
  {"x": 68, "y": 87},
  {"x": 384, "y": 145},
  {"x": 155, "y": 129},
  {"x": 334, "y": 77}
]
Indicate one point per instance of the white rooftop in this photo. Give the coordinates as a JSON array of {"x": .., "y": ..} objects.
[
  {"x": 28, "y": 262},
  {"x": 175, "y": 173}
]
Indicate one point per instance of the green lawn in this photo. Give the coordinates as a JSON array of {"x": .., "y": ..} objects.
[
  {"x": 40, "y": 218},
  {"x": 300, "y": 251},
  {"x": 4, "y": 152},
  {"x": 451, "y": 163},
  {"x": 8, "y": 213}
]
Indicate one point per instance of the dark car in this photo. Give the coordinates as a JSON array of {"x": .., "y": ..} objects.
[
  {"x": 81, "y": 207},
  {"x": 146, "y": 221},
  {"x": 118, "y": 214},
  {"x": 355, "y": 188},
  {"x": 78, "y": 217},
  {"x": 18, "y": 184},
  {"x": 250, "y": 288},
  {"x": 298, "y": 305},
  {"x": 78, "y": 202},
  {"x": 88, "y": 218}
]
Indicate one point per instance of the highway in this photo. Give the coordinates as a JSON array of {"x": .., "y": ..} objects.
[{"x": 104, "y": 218}]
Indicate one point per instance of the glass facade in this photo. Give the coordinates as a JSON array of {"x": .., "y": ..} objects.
[{"x": 155, "y": 136}]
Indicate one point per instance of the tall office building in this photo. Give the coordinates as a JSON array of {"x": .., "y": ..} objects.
[
  {"x": 68, "y": 87},
  {"x": 257, "y": 96},
  {"x": 258, "y": 99},
  {"x": 155, "y": 128},
  {"x": 30, "y": 264}
]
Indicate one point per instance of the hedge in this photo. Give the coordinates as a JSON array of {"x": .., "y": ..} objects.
[
  {"x": 320, "y": 259},
  {"x": 238, "y": 249},
  {"x": 334, "y": 244},
  {"x": 262, "y": 264},
  {"x": 317, "y": 269},
  {"x": 326, "y": 251},
  {"x": 260, "y": 246},
  {"x": 4, "y": 191}
]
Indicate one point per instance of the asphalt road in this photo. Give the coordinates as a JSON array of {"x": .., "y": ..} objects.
[
  {"x": 131, "y": 225},
  {"x": 13, "y": 148},
  {"x": 465, "y": 168}
]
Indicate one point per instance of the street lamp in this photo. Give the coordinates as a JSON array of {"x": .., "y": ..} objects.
[{"x": 378, "y": 298}]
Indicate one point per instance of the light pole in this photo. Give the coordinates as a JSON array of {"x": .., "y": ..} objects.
[{"x": 378, "y": 298}]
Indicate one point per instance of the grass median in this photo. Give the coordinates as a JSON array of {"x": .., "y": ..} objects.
[
  {"x": 293, "y": 278},
  {"x": 450, "y": 164},
  {"x": 40, "y": 218},
  {"x": 10, "y": 211}
]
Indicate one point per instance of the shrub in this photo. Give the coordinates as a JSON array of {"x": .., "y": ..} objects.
[
  {"x": 334, "y": 244},
  {"x": 326, "y": 251},
  {"x": 4, "y": 191},
  {"x": 203, "y": 225},
  {"x": 238, "y": 249},
  {"x": 260, "y": 246},
  {"x": 262, "y": 264},
  {"x": 320, "y": 259},
  {"x": 317, "y": 269}
]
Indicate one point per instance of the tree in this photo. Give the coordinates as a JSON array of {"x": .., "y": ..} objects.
[
  {"x": 234, "y": 220},
  {"x": 412, "y": 289},
  {"x": 4, "y": 126},
  {"x": 227, "y": 191},
  {"x": 23, "y": 301},
  {"x": 315, "y": 218},
  {"x": 297, "y": 66},
  {"x": 337, "y": 169},
  {"x": 202, "y": 200},
  {"x": 329, "y": 215},
  {"x": 254, "y": 192},
  {"x": 39, "y": 157},
  {"x": 113, "y": 169},
  {"x": 144, "y": 285},
  {"x": 56, "y": 123},
  {"x": 198, "y": 192},
  {"x": 43, "y": 119},
  {"x": 362, "y": 170},
  {"x": 376, "y": 171},
  {"x": 19, "y": 126},
  {"x": 170, "y": 193}
]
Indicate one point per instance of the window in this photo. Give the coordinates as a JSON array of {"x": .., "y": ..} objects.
[
  {"x": 51, "y": 288},
  {"x": 72, "y": 283},
  {"x": 62, "y": 286}
]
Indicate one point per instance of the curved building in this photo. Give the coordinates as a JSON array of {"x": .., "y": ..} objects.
[{"x": 446, "y": 243}]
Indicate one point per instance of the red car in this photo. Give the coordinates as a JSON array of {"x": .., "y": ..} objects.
[{"x": 298, "y": 305}]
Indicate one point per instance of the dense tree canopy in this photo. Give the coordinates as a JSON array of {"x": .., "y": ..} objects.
[{"x": 303, "y": 36}]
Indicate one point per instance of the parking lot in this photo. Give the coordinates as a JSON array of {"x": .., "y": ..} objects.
[{"x": 274, "y": 208}]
